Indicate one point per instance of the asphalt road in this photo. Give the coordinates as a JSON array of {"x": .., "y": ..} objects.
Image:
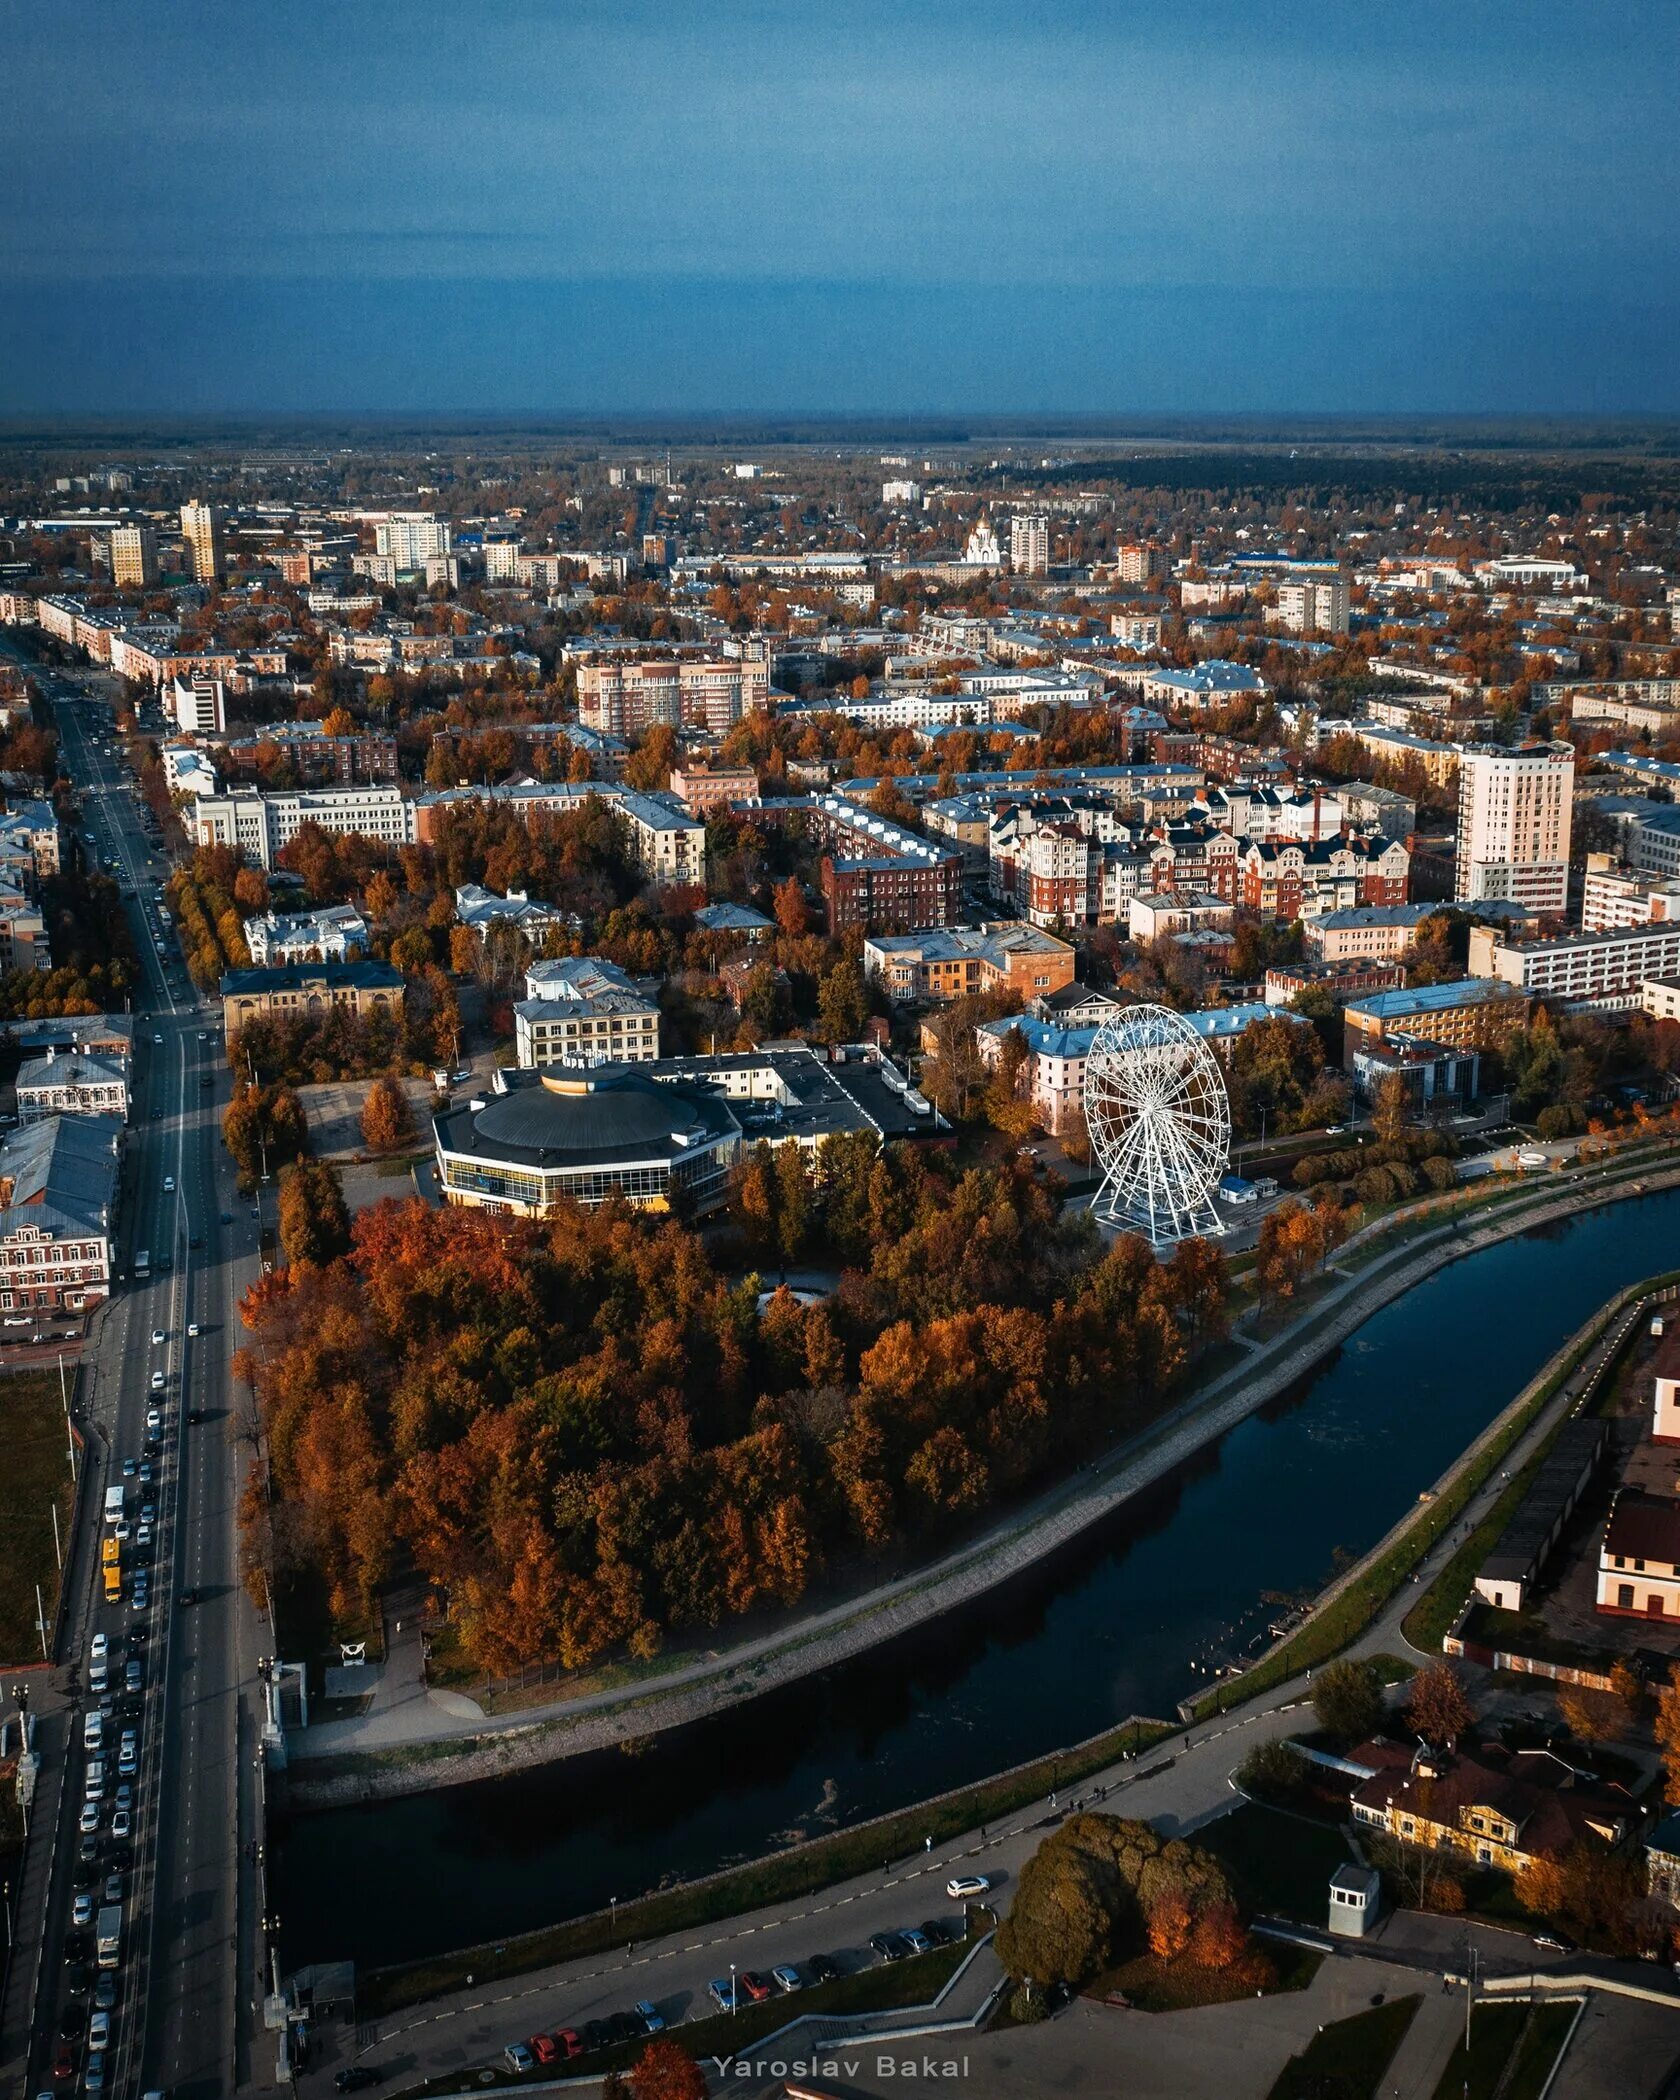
[{"x": 188, "y": 1984}]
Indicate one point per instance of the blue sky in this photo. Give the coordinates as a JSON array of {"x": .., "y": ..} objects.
[{"x": 732, "y": 205}]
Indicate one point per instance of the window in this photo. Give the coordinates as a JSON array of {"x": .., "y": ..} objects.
[{"x": 1624, "y": 1596}]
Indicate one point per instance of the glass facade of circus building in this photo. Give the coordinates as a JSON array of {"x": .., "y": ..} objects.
[{"x": 583, "y": 1136}]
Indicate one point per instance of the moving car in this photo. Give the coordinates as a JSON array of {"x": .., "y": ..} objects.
[
  {"x": 99, "y": 2031},
  {"x": 652, "y": 2019},
  {"x": 158, "y": 1337},
  {"x": 122, "y": 1825},
  {"x": 169, "y": 1184},
  {"x": 88, "y": 1821},
  {"x": 961, "y": 1887},
  {"x": 358, "y": 2078}
]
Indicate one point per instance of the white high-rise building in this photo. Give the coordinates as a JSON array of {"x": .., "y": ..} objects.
[
  {"x": 1029, "y": 543},
  {"x": 199, "y": 706},
  {"x": 411, "y": 538},
  {"x": 1515, "y": 810}
]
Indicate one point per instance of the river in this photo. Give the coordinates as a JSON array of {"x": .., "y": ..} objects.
[{"x": 1113, "y": 1625}]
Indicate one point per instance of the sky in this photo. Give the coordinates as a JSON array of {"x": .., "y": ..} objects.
[{"x": 838, "y": 206}]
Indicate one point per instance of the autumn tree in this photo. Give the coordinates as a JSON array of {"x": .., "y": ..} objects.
[
  {"x": 792, "y": 913},
  {"x": 314, "y": 1222},
  {"x": 1598, "y": 1714},
  {"x": 842, "y": 1003},
  {"x": 1438, "y": 1708},
  {"x": 1668, "y": 1734},
  {"x": 1007, "y": 1109},
  {"x": 387, "y": 1119},
  {"x": 1389, "y": 1111},
  {"x": 666, "y": 2071}
]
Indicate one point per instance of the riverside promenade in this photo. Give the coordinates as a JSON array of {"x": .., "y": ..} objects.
[{"x": 421, "y": 1739}]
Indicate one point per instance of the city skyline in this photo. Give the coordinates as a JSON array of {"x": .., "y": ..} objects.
[{"x": 880, "y": 211}]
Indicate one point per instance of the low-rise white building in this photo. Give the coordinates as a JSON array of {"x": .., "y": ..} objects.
[
  {"x": 77, "y": 1084},
  {"x": 581, "y": 1010},
  {"x": 336, "y": 934}
]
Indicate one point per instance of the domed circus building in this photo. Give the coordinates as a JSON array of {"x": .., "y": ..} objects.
[{"x": 585, "y": 1134}]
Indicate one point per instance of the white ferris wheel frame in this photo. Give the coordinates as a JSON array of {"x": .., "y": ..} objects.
[{"x": 1159, "y": 1122}]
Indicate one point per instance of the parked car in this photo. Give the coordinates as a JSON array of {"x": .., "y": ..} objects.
[
  {"x": 568, "y": 2042},
  {"x": 652, "y": 2019},
  {"x": 916, "y": 1940},
  {"x": 935, "y": 1931},
  {"x": 721, "y": 1991},
  {"x": 821, "y": 1968},
  {"x": 755, "y": 1986},
  {"x": 357, "y": 2079},
  {"x": 518, "y": 2059},
  {"x": 542, "y": 2047},
  {"x": 786, "y": 1977},
  {"x": 888, "y": 1946}
]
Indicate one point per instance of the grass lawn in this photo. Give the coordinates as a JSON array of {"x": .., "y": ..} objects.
[
  {"x": 917, "y": 1981},
  {"x": 1499, "y": 2034},
  {"x": 1281, "y": 1863},
  {"x": 34, "y": 1479},
  {"x": 1347, "y": 2059}
]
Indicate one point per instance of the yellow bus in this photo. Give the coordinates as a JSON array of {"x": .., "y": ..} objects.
[
  {"x": 113, "y": 1583},
  {"x": 110, "y": 1551}
]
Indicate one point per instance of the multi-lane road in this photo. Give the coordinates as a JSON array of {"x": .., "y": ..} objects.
[{"x": 189, "y": 1981}]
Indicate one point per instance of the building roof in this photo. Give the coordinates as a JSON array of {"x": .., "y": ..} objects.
[
  {"x": 293, "y": 977},
  {"x": 1432, "y": 998},
  {"x": 1533, "y": 1526},
  {"x": 732, "y": 918},
  {"x": 74, "y": 1068},
  {"x": 62, "y": 1174},
  {"x": 1644, "y": 1527},
  {"x": 568, "y": 1116},
  {"x": 587, "y": 982}
]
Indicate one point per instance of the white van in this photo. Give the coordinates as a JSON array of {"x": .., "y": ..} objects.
[{"x": 93, "y": 1729}]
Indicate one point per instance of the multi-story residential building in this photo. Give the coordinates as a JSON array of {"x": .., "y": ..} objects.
[
  {"x": 133, "y": 556},
  {"x": 1285, "y": 982},
  {"x": 1157, "y": 914},
  {"x": 953, "y": 961},
  {"x": 1514, "y": 816},
  {"x": 408, "y": 539},
  {"x": 30, "y": 839},
  {"x": 1613, "y": 896},
  {"x": 262, "y": 825},
  {"x": 1475, "y": 1013},
  {"x": 1029, "y": 543},
  {"x": 80, "y": 1083},
  {"x": 1213, "y": 684},
  {"x": 668, "y": 845},
  {"x": 1290, "y": 878},
  {"x": 1053, "y": 1077},
  {"x": 1320, "y": 605},
  {"x": 1137, "y": 563},
  {"x": 623, "y": 698},
  {"x": 338, "y": 933},
  {"x": 875, "y": 873},
  {"x": 58, "y": 1199},
  {"x": 23, "y": 932},
  {"x": 201, "y": 530},
  {"x": 316, "y": 758},
  {"x": 199, "y": 706},
  {"x": 1369, "y": 933},
  {"x": 188, "y": 771},
  {"x": 303, "y": 990},
  {"x": 703, "y": 788},
  {"x": 582, "y": 1010},
  {"x": 1136, "y": 630},
  {"x": 901, "y": 492},
  {"x": 1652, "y": 842},
  {"x": 1603, "y": 971}
]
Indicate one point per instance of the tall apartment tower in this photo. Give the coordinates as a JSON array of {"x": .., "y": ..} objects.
[
  {"x": 134, "y": 563},
  {"x": 1029, "y": 543},
  {"x": 201, "y": 528},
  {"x": 411, "y": 538},
  {"x": 1514, "y": 817},
  {"x": 1137, "y": 563},
  {"x": 1318, "y": 606}
]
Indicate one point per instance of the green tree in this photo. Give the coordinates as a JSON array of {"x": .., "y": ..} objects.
[
  {"x": 842, "y": 1003},
  {"x": 1348, "y": 1699}
]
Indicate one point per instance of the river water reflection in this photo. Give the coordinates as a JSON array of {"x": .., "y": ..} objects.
[{"x": 1110, "y": 1627}]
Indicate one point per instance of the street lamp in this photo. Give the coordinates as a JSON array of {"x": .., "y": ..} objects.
[{"x": 732, "y": 1990}]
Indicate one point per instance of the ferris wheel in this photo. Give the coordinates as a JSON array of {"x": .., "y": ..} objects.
[{"x": 1159, "y": 1124}]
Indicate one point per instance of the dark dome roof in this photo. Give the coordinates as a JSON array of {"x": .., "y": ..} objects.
[{"x": 606, "y": 1116}]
